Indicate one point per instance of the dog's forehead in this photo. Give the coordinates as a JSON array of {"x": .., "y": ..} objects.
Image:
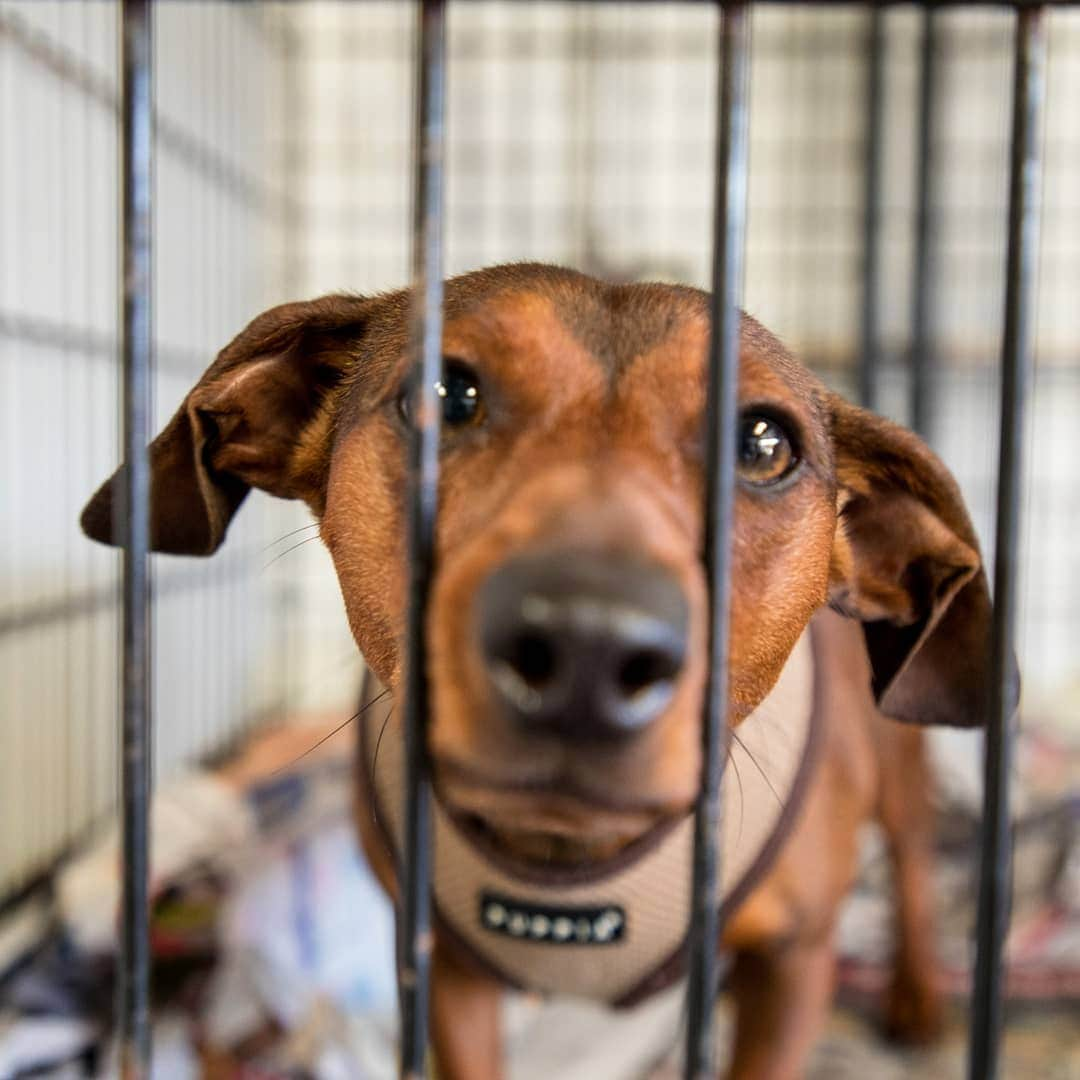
[
  {"x": 612, "y": 325},
  {"x": 576, "y": 318},
  {"x": 556, "y": 325}
]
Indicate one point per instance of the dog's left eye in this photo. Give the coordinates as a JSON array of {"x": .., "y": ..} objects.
[
  {"x": 766, "y": 453},
  {"x": 459, "y": 392}
]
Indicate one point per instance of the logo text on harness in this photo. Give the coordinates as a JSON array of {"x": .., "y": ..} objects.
[{"x": 543, "y": 923}]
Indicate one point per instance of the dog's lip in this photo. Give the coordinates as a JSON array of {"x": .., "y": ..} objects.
[
  {"x": 540, "y": 827},
  {"x": 543, "y": 851},
  {"x": 458, "y": 780}
]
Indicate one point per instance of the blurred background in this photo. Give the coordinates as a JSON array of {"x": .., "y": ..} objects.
[{"x": 578, "y": 134}]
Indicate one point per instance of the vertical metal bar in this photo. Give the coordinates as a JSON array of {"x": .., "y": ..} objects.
[
  {"x": 134, "y": 526},
  {"x": 414, "y": 934},
  {"x": 1029, "y": 90},
  {"x": 870, "y": 352},
  {"x": 729, "y": 236},
  {"x": 922, "y": 316}
]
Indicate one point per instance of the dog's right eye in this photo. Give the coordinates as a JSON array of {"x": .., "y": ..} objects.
[
  {"x": 766, "y": 453},
  {"x": 459, "y": 392}
]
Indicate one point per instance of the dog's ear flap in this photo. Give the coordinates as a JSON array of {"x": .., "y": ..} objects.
[
  {"x": 254, "y": 419},
  {"x": 906, "y": 563}
]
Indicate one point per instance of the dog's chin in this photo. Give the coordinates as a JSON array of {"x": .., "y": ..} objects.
[{"x": 548, "y": 826}]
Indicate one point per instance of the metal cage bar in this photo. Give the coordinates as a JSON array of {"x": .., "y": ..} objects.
[
  {"x": 133, "y": 526},
  {"x": 414, "y": 933},
  {"x": 729, "y": 240},
  {"x": 1025, "y": 179},
  {"x": 874, "y": 149},
  {"x": 922, "y": 315}
]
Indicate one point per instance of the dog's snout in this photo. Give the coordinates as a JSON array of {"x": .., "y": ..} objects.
[{"x": 583, "y": 645}]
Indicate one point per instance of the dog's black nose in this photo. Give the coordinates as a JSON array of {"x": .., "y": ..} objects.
[{"x": 583, "y": 645}]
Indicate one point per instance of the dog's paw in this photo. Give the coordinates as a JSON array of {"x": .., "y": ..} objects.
[{"x": 914, "y": 1013}]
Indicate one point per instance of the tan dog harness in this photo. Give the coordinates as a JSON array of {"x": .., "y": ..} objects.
[{"x": 613, "y": 931}]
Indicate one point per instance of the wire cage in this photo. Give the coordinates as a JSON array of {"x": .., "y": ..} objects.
[{"x": 905, "y": 289}]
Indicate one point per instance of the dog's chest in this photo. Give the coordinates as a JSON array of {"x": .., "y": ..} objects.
[{"x": 614, "y": 932}]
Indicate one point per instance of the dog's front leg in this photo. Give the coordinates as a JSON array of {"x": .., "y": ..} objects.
[
  {"x": 781, "y": 1000},
  {"x": 465, "y": 1020}
]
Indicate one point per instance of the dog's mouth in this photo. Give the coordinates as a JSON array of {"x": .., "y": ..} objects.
[
  {"x": 541, "y": 848},
  {"x": 546, "y": 823}
]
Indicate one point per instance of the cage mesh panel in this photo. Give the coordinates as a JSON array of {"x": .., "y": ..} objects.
[
  {"x": 221, "y": 216},
  {"x": 582, "y": 134}
]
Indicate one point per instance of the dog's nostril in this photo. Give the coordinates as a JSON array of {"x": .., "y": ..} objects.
[
  {"x": 532, "y": 658},
  {"x": 645, "y": 668}
]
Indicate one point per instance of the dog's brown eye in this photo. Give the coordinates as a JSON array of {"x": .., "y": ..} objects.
[
  {"x": 459, "y": 392},
  {"x": 765, "y": 450}
]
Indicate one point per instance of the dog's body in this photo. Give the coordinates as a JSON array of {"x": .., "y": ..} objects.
[
  {"x": 566, "y": 644},
  {"x": 863, "y": 767}
]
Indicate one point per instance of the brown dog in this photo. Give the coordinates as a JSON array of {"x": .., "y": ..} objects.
[{"x": 565, "y": 637}]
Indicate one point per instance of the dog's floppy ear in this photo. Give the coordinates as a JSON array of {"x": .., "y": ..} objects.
[
  {"x": 252, "y": 420},
  {"x": 906, "y": 563}
]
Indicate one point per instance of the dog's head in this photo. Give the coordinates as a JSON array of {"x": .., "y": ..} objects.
[{"x": 566, "y": 633}]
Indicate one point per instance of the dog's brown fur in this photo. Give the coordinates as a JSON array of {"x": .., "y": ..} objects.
[{"x": 591, "y": 440}]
